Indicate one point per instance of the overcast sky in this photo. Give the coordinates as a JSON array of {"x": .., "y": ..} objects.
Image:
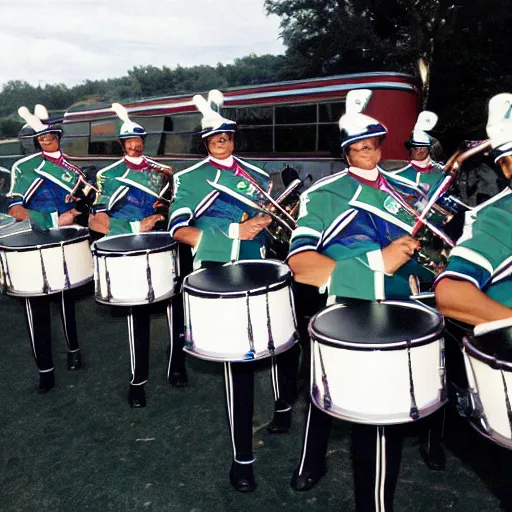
[{"x": 69, "y": 41}]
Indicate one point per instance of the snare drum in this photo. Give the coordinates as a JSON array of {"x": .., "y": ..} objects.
[
  {"x": 240, "y": 311},
  {"x": 35, "y": 263},
  {"x": 488, "y": 361},
  {"x": 131, "y": 270},
  {"x": 378, "y": 363}
]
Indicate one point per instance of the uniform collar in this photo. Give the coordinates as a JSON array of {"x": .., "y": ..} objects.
[
  {"x": 55, "y": 155},
  {"x": 371, "y": 175},
  {"x": 422, "y": 163},
  {"x": 226, "y": 163}
]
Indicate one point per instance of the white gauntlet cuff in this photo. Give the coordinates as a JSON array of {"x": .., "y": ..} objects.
[{"x": 234, "y": 230}]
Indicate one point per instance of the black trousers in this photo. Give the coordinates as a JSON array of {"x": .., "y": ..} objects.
[
  {"x": 139, "y": 336},
  {"x": 40, "y": 329},
  {"x": 376, "y": 457},
  {"x": 239, "y": 382}
]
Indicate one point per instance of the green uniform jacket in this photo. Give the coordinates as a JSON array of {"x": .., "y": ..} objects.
[
  {"x": 29, "y": 173},
  {"x": 415, "y": 178},
  {"x": 210, "y": 199},
  {"x": 114, "y": 183},
  {"x": 483, "y": 255},
  {"x": 351, "y": 222}
]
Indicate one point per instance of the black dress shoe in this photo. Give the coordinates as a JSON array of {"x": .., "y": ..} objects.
[
  {"x": 74, "y": 360},
  {"x": 46, "y": 382},
  {"x": 433, "y": 456},
  {"x": 241, "y": 477},
  {"x": 307, "y": 479},
  {"x": 178, "y": 379},
  {"x": 280, "y": 423},
  {"x": 137, "y": 396}
]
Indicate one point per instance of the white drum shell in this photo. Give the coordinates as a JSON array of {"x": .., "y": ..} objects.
[
  {"x": 217, "y": 327},
  {"x": 24, "y": 270},
  {"x": 487, "y": 383},
  {"x": 128, "y": 277},
  {"x": 373, "y": 386}
]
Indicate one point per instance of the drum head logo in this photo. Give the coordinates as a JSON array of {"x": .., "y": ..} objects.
[{"x": 391, "y": 205}]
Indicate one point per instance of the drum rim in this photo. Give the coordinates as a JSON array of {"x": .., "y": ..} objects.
[
  {"x": 24, "y": 248},
  {"x": 195, "y": 292},
  {"x": 133, "y": 252},
  {"x": 493, "y": 362},
  {"x": 395, "y": 345}
]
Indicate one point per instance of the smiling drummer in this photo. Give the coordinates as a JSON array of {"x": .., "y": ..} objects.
[
  {"x": 475, "y": 286},
  {"x": 44, "y": 189},
  {"x": 215, "y": 211},
  {"x": 353, "y": 241},
  {"x": 131, "y": 191}
]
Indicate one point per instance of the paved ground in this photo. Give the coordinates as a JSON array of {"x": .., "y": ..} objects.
[{"x": 81, "y": 447}]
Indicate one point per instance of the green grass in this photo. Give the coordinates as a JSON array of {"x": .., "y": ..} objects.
[{"x": 81, "y": 447}]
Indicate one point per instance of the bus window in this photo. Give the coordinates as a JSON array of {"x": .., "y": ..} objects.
[
  {"x": 250, "y": 116},
  {"x": 329, "y": 139},
  {"x": 183, "y": 138},
  {"x": 297, "y": 114},
  {"x": 76, "y": 129},
  {"x": 330, "y": 112},
  {"x": 107, "y": 147},
  {"x": 295, "y": 139},
  {"x": 254, "y": 140}
]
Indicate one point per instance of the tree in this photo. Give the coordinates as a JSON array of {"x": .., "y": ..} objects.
[{"x": 464, "y": 45}]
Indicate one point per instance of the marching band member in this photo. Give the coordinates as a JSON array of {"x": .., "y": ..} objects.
[
  {"x": 421, "y": 170},
  {"x": 210, "y": 214},
  {"x": 351, "y": 242},
  {"x": 475, "y": 286},
  {"x": 44, "y": 189},
  {"x": 130, "y": 191}
]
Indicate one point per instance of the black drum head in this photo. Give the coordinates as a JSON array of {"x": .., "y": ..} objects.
[
  {"x": 240, "y": 277},
  {"x": 31, "y": 239},
  {"x": 135, "y": 242},
  {"x": 494, "y": 344},
  {"x": 369, "y": 324}
]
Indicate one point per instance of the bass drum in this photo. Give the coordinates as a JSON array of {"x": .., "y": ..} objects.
[{"x": 36, "y": 263}]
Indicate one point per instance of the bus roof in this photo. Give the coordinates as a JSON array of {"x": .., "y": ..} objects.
[{"x": 293, "y": 91}]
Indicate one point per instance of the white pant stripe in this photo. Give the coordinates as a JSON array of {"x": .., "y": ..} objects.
[
  {"x": 304, "y": 448},
  {"x": 132, "y": 343},
  {"x": 64, "y": 319},
  {"x": 229, "y": 403},
  {"x": 171, "y": 337},
  {"x": 383, "y": 469},
  {"x": 275, "y": 378},
  {"x": 377, "y": 470}
]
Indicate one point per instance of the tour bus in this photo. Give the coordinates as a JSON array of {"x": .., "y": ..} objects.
[
  {"x": 282, "y": 125},
  {"x": 291, "y": 123}
]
